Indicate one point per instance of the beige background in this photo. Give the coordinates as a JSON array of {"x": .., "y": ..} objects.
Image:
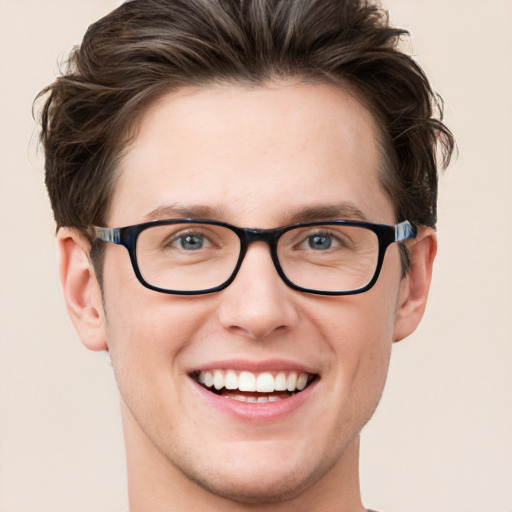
[{"x": 441, "y": 439}]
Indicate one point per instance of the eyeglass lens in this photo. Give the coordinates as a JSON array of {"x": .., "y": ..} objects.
[{"x": 193, "y": 257}]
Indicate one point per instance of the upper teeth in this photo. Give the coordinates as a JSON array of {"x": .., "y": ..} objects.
[{"x": 265, "y": 382}]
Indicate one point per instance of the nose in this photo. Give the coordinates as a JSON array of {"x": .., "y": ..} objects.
[{"x": 258, "y": 303}]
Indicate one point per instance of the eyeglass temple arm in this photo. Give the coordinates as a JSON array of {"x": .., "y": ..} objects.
[
  {"x": 404, "y": 230},
  {"x": 108, "y": 234}
]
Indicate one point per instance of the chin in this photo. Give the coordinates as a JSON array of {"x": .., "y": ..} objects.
[{"x": 261, "y": 487}]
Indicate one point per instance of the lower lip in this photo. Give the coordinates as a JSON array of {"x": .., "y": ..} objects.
[{"x": 255, "y": 412}]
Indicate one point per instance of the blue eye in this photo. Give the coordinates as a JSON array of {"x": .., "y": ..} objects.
[
  {"x": 319, "y": 242},
  {"x": 190, "y": 242}
]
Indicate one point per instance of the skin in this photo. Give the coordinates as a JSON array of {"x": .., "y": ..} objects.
[{"x": 255, "y": 157}]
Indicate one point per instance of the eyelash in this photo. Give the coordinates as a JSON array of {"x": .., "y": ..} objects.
[{"x": 181, "y": 236}]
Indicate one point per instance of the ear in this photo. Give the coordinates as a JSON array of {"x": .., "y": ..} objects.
[
  {"x": 82, "y": 293},
  {"x": 414, "y": 287}
]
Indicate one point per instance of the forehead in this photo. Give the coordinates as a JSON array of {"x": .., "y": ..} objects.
[{"x": 254, "y": 155}]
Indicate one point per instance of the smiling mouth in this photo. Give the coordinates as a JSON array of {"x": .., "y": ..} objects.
[{"x": 245, "y": 386}]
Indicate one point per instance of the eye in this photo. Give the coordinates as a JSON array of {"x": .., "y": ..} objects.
[
  {"x": 319, "y": 242},
  {"x": 189, "y": 241},
  {"x": 322, "y": 241}
]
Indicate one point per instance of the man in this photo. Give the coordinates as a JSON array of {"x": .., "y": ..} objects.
[{"x": 270, "y": 169}]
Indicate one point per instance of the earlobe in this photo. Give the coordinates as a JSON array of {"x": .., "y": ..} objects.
[
  {"x": 81, "y": 289},
  {"x": 415, "y": 286}
]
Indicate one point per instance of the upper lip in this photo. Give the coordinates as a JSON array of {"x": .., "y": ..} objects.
[{"x": 268, "y": 365}]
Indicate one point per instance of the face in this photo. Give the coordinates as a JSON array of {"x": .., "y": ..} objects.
[{"x": 254, "y": 157}]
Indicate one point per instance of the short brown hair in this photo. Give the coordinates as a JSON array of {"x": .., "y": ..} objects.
[{"x": 147, "y": 48}]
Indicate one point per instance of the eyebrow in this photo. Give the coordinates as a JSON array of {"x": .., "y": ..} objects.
[
  {"x": 186, "y": 211},
  {"x": 341, "y": 211}
]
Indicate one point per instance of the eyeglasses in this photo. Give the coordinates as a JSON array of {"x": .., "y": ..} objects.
[{"x": 193, "y": 257}]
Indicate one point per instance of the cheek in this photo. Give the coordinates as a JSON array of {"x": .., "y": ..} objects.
[
  {"x": 359, "y": 332},
  {"x": 141, "y": 321},
  {"x": 374, "y": 330},
  {"x": 148, "y": 333},
  {"x": 147, "y": 337},
  {"x": 357, "y": 327},
  {"x": 150, "y": 329}
]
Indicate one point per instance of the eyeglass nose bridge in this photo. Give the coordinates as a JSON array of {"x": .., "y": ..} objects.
[
  {"x": 249, "y": 236},
  {"x": 269, "y": 236}
]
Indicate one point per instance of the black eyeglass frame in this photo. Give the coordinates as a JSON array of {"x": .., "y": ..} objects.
[{"x": 386, "y": 235}]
